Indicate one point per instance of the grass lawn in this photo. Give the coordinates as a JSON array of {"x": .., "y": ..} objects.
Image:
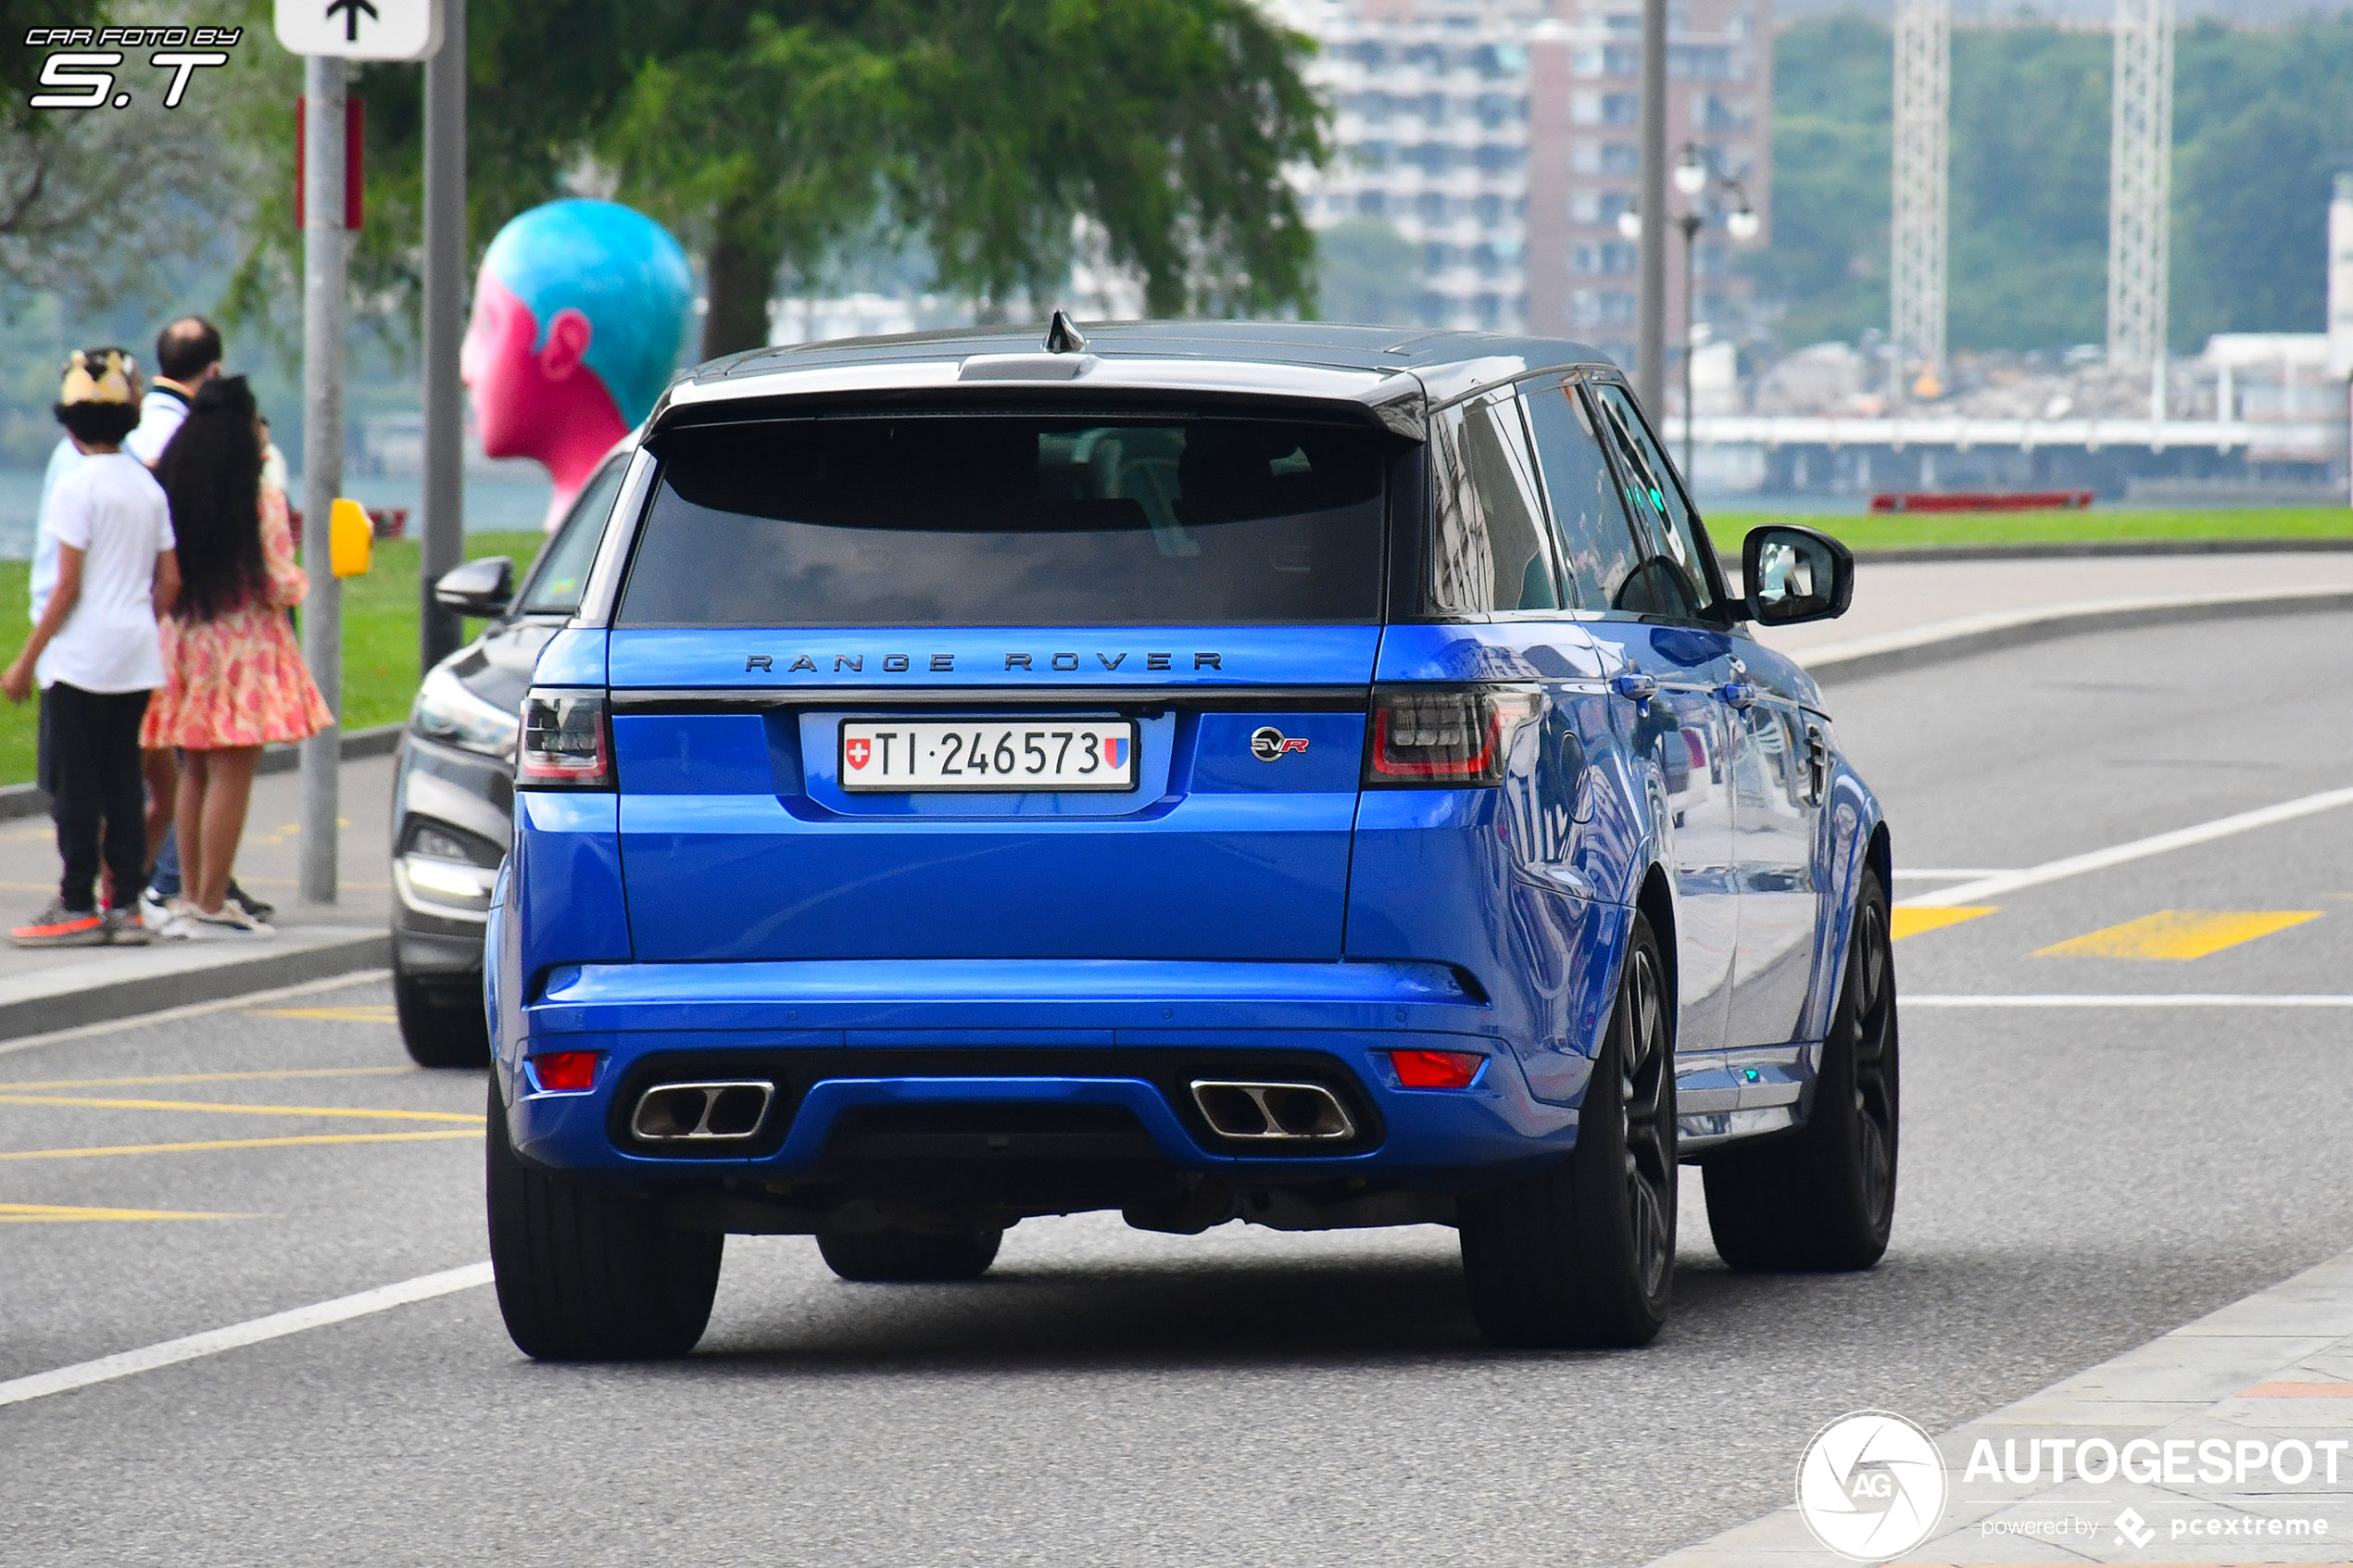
[
  {"x": 1898, "y": 529},
  {"x": 379, "y": 630}
]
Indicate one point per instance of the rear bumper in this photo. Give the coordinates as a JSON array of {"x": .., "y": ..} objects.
[{"x": 838, "y": 1038}]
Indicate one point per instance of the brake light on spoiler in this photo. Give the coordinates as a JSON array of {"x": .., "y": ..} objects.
[{"x": 1445, "y": 737}]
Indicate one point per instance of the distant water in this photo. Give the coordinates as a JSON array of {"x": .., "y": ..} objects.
[{"x": 493, "y": 505}]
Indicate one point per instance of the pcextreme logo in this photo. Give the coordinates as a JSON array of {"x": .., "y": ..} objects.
[{"x": 1871, "y": 1486}]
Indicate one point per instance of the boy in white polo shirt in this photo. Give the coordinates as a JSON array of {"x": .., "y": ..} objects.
[{"x": 96, "y": 653}]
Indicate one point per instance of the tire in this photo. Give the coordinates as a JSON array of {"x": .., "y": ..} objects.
[
  {"x": 589, "y": 1274},
  {"x": 442, "y": 1025},
  {"x": 1823, "y": 1198},
  {"x": 1582, "y": 1254},
  {"x": 908, "y": 1256}
]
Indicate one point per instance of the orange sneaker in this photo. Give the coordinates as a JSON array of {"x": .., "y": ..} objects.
[{"x": 58, "y": 926}]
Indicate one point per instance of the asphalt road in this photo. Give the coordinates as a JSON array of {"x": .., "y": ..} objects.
[{"x": 2074, "y": 1183}]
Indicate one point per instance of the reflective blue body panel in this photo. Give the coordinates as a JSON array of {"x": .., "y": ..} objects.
[{"x": 1260, "y": 906}]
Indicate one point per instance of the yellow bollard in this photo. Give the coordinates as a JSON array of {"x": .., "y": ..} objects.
[{"x": 351, "y": 539}]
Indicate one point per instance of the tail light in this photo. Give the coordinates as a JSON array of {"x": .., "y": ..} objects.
[
  {"x": 566, "y": 743},
  {"x": 1445, "y": 737}
]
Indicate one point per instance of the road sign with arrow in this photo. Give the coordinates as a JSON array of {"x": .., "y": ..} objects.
[{"x": 361, "y": 30}]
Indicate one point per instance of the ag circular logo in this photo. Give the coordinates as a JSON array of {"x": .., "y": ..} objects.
[{"x": 1871, "y": 1486}]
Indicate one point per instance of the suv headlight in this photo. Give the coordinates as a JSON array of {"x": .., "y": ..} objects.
[{"x": 453, "y": 713}]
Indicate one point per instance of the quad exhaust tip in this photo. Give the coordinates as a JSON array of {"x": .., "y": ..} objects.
[
  {"x": 717, "y": 1112},
  {"x": 1273, "y": 1112}
]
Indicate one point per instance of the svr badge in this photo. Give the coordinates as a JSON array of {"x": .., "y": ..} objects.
[{"x": 1269, "y": 743}]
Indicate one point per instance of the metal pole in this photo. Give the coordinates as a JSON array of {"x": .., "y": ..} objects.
[
  {"x": 322, "y": 327},
  {"x": 1649, "y": 342},
  {"x": 1690, "y": 230},
  {"x": 439, "y": 631}
]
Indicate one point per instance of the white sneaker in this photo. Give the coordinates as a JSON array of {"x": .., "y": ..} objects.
[
  {"x": 155, "y": 911},
  {"x": 229, "y": 924}
]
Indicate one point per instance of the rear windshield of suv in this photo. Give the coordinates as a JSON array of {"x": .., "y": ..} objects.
[{"x": 1012, "y": 521}]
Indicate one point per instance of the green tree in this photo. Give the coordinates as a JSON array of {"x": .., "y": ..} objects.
[
  {"x": 1368, "y": 272},
  {"x": 2263, "y": 120},
  {"x": 771, "y": 132},
  {"x": 985, "y": 131}
]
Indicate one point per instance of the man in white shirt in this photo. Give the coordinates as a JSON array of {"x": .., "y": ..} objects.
[
  {"x": 96, "y": 653},
  {"x": 187, "y": 355}
]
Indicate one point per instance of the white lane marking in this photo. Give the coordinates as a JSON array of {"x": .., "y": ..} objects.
[
  {"x": 1910, "y": 875},
  {"x": 196, "y": 1009},
  {"x": 2129, "y": 999},
  {"x": 1991, "y": 887},
  {"x": 424, "y": 1287}
]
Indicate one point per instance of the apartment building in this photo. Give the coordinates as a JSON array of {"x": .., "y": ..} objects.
[{"x": 1501, "y": 137}]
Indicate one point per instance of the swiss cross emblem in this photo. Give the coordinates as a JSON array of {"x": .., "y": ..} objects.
[{"x": 859, "y": 751}]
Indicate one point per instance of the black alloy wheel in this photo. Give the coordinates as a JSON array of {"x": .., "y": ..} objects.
[
  {"x": 1583, "y": 1253},
  {"x": 1823, "y": 1197},
  {"x": 441, "y": 1026},
  {"x": 587, "y": 1271}
]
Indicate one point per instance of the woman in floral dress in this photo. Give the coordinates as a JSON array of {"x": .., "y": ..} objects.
[{"x": 234, "y": 677}]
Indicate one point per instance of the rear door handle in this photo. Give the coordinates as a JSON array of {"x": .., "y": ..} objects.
[{"x": 1736, "y": 694}]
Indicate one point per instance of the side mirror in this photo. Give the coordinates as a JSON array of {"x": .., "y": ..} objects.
[
  {"x": 480, "y": 588},
  {"x": 1796, "y": 574}
]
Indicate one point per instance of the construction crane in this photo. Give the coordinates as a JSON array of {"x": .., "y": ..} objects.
[
  {"x": 1923, "y": 179},
  {"x": 2140, "y": 190}
]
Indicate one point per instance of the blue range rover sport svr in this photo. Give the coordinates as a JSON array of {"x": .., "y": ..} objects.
[{"x": 1312, "y": 775}]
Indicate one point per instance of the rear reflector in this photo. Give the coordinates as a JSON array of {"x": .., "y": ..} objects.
[
  {"x": 1437, "y": 1070},
  {"x": 567, "y": 1073},
  {"x": 1446, "y": 736}
]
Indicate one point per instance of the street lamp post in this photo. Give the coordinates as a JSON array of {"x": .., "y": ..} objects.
[{"x": 1692, "y": 178}]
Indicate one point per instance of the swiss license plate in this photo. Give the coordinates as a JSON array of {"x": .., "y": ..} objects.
[{"x": 900, "y": 757}]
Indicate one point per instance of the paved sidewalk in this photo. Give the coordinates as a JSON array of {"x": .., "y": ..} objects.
[
  {"x": 1900, "y": 597},
  {"x": 44, "y": 988},
  {"x": 2242, "y": 1422}
]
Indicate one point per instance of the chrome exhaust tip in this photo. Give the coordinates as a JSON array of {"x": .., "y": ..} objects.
[
  {"x": 718, "y": 1113},
  {"x": 1273, "y": 1112}
]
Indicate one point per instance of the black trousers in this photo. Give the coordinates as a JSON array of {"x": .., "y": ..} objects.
[{"x": 90, "y": 766}]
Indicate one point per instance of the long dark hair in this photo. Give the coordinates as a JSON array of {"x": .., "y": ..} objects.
[{"x": 212, "y": 472}]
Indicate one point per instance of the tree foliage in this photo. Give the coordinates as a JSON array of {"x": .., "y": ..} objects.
[
  {"x": 2263, "y": 119},
  {"x": 986, "y": 130},
  {"x": 94, "y": 202},
  {"x": 772, "y": 132}
]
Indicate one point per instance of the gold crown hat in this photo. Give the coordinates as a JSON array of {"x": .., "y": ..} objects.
[{"x": 110, "y": 383}]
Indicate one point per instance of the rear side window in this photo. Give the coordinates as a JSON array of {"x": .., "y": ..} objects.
[
  {"x": 562, "y": 571},
  {"x": 1012, "y": 521},
  {"x": 1487, "y": 549},
  {"x": 1588, "y": 520},
  {"x": 1675, "y": 577}
]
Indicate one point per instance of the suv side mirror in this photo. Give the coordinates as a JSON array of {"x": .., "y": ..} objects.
[
  {"x": 1796, "y": 574},
  {"x": 480, "y": 588}
]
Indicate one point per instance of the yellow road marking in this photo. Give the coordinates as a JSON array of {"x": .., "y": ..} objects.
[
  {"x": 2179, "y": 933},
  {"x": 205, "y": 1078},
  {"x": 94, "y": 1103},
  {"x": 336, "y": 1015},
  {"x": 53, "y": 1213},
  {"x": 236, "y": 1143},
  {"x": 1905, "y": 920}
]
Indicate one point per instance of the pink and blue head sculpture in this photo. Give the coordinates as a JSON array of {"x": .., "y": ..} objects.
[{"x": 578, "y": 318}]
